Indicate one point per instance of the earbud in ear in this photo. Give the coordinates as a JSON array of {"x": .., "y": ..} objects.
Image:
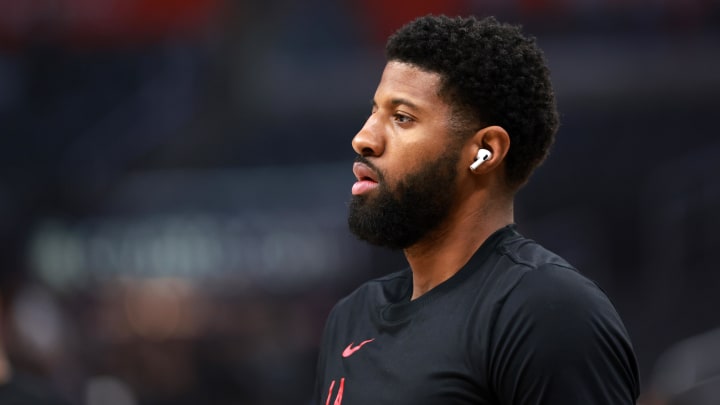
[{"x": 482, "y": 155}]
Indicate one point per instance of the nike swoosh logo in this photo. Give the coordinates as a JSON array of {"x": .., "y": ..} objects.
[{"x": 350, "y": 349}]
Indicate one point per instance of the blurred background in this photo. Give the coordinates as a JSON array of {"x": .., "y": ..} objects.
[{"x": 174, "y": 177}]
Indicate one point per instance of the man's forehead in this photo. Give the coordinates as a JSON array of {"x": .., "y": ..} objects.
[{"x": 407, "y": 84}]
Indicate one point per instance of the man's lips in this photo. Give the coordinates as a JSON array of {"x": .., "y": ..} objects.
[{"x": 367, "y": 179}]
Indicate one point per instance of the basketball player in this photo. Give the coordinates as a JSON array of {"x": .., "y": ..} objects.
[{"x": 463, "y": 114}]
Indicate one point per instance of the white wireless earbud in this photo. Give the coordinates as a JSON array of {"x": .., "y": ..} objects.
[{"x": 482, "y": 155}]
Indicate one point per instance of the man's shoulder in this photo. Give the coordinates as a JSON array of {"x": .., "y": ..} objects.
[
  {"x": 538, "y": 274},
  {"x": 531, "y": 254}
]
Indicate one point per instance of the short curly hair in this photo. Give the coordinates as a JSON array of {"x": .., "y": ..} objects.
[{"x": 491, "y": 74}]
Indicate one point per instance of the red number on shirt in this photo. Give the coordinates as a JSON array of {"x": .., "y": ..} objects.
[{"x": 338, "y": 398}]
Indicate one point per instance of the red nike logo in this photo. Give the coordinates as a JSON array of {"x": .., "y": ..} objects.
[{"x": 350, "y": 349}]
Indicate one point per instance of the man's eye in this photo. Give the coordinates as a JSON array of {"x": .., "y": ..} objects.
[{"x": 402, "y": 118}]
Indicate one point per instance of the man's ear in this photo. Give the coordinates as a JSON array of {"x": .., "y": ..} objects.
[{"x": 487, "y": 149}]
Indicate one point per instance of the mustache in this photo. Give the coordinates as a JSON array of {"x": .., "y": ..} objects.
[{"x": 366, "y": 162}]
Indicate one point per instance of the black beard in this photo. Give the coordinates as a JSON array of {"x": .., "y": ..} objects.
[{"x": 397, "y": 219}]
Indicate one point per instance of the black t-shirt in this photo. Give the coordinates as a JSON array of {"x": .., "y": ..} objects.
[{"x": 516, "y": 325}]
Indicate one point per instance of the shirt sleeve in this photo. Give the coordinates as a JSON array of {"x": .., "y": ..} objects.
[{"x": 558, "y": 340}]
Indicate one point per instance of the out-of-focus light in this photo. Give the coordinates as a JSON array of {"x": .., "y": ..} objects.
[
  {"x": 58, "y": 254},
  {"x": 162, "y": 308},
  {"x": 108, "y": 391},
  {"x": 276, "y": 251},
  {"x": 38, "y": 320}
]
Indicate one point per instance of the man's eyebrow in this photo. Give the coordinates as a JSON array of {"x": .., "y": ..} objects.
[
  {"x": 404, "y": 101},
  {"x": 399, "y": 101}
]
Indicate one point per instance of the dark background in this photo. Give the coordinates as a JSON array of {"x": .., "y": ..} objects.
[{"x": 174, "y": 177}]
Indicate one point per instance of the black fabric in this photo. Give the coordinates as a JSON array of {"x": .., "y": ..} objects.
[{"x": 516, "y": 325}]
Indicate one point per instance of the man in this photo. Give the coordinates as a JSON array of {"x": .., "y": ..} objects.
[{"x": 463, "y": 114}]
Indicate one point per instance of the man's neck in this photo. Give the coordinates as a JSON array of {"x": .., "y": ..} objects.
[{"x": 438, "y": 257}]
